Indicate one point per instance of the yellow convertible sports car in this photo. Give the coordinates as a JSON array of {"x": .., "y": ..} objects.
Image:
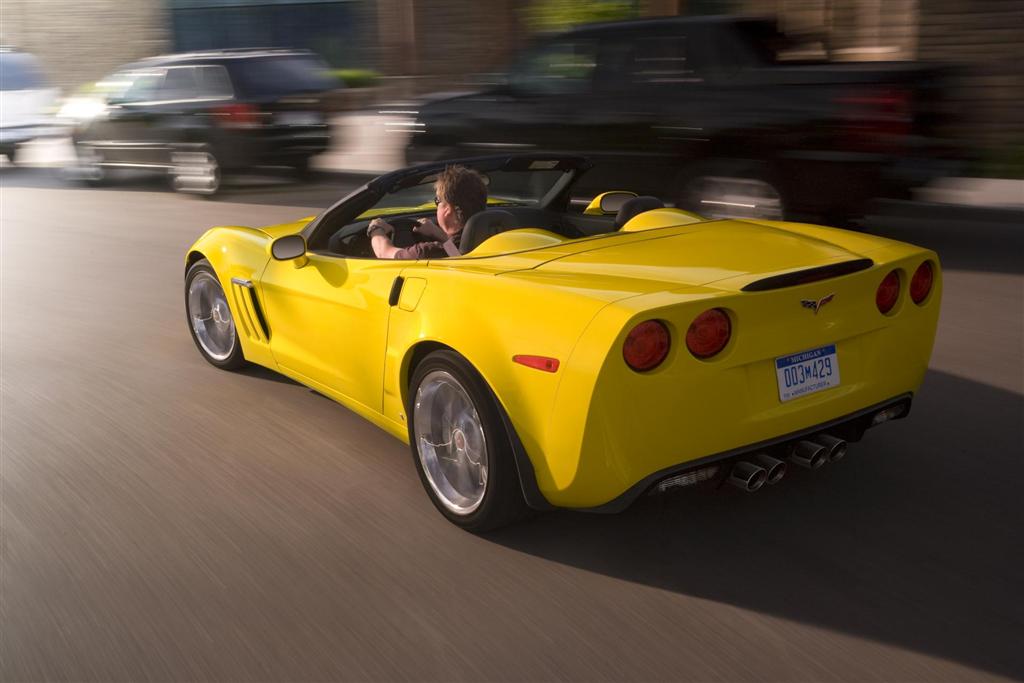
[{"x": 570, "y": 357}]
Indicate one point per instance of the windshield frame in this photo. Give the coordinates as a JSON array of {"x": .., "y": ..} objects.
[{"x": 351, "y": 208}]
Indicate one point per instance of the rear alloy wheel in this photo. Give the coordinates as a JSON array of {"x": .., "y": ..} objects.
[
  {"x": 720, "y": 196},
  {"x": 195, "y": 172},
  {"x": 460, "y": 447},
  {"x": 209, "y": 318}
]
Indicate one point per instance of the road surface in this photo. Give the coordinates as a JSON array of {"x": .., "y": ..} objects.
[{"x": 163, "y": 520}]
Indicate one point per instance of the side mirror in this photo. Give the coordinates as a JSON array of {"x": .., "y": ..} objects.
[
  {"x": 288, "y": 247},
  {"x": 608, "y": 203}
]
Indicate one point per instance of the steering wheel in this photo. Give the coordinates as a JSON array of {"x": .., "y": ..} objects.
[{"x": 404, "y": 235}]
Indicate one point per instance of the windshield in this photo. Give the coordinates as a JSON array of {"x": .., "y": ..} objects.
[{"x": 520, "y": 188}]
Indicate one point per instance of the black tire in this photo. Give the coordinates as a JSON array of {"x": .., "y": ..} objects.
[
  {"x": 502, "y": 501},
  {"x": 234, "y": 359}
]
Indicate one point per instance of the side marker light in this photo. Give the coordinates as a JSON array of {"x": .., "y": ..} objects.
[{"x": 537, "y": 362}]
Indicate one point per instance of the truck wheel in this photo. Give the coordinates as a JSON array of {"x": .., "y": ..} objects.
[
  {"x": 88, "y": 165},
  {"x": 195, "y": 172},
  {"x": 722, "y": 190}
]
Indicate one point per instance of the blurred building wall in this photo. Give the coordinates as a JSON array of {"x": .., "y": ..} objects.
[
  {"x": 80, "y": 41},
  {"x": 343, "y": 32},
  {"x": 982, "y": 39},
  {"x": 986, "y": 38},
  {"x": 435, "y": 44}
]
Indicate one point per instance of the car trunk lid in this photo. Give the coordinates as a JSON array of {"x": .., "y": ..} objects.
[{"x": 731, "y": 255}]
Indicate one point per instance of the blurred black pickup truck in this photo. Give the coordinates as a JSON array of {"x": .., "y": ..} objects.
[{"x": 721, "y": 115}]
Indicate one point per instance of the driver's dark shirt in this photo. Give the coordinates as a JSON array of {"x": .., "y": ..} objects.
[{"x": 427, "y": 250}]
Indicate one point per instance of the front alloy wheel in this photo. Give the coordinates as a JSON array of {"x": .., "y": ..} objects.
[{"x": 209, "y": 317}]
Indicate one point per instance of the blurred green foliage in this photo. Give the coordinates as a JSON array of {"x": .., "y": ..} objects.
[
  {"x": 356, "y": 78},
  {"x": 555, "y": 15}
]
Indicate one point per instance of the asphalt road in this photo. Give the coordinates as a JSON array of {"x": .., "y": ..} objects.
[{"x": 163, "y": 520}]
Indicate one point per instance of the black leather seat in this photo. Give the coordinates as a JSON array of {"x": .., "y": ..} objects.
[
  {"x": 634, "y": 207},
  {"x": 483, "y": 225}
]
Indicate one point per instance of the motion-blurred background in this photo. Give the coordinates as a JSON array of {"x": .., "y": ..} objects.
[
  {"x": 162, "y": 520},
  {"x": 798, "y": 108}
]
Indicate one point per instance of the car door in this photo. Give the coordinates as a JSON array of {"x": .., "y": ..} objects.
[
  {"x": 125, "y": 135},
  {"x": 171, "y": 117},
  {"x": 328, "y": 321}
]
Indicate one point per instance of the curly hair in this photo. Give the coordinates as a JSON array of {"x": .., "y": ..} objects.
[{"x": 464, "y": 189}]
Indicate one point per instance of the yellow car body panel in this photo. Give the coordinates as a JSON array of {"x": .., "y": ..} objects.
[
  {"x": 594, "y": 430},
  {"x": 660, "y": 218}
]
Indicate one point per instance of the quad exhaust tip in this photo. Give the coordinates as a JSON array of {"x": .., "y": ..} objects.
[
  {"x": 809, "y": 455},
  {"x": 747, "y": 476},
  {"x": 835, "y": 447},
  {"x": 751, "y": 475},
  {"x": 775, "y": 468}
]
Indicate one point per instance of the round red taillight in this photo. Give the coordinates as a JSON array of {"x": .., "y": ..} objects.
[
  {"x": 646, "y": 345},
  {"x": 888, "y": 292},
  {"x": 708, "y": 333},
  {"x": 921, "y": 283}
]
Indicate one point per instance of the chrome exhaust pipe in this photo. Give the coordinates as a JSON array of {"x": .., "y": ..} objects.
[
  {"x": 747, "y": 476},
  {"x": 836, "y": 447},
  {"x": 775, "y": 468},
  {"x": 809, "y": 454}
]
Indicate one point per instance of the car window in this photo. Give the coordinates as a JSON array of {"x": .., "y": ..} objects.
[
  {"x": 283, "y": 75},
  {"x": 136, "y": 86},
  {"x": 19, "y": 71},
  {"x": 559, "y": 68},
  {"x": 663, "y": 59},
  {"x": 178, "y": 84},
  {"x": 213, "y": 82}
]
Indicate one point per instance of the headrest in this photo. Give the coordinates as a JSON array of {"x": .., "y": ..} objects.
[
  {"x": 635, "y": 207},
  {"x": 480, "y": 226}
]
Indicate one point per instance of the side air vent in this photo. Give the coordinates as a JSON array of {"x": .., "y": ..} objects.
[
  {"x": 802, "y": 277},
  {"x": 250, "y": 315}
]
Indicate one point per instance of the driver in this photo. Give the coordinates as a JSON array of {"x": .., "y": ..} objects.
[{"x": 460, "y": 192}]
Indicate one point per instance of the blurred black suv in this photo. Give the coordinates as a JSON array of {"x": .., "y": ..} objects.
[{"x": 198, "y": 115}]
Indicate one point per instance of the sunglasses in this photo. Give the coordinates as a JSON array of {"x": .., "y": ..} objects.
[{"x": 437, "y": 200}]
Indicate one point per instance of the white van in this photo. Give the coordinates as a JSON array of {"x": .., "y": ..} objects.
[{"x": 26, "y": 101}]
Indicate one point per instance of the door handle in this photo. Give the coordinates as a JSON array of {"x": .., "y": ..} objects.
[{"x": 396, "y": 291}]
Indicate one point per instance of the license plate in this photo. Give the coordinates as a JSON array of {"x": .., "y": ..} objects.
[
  {"x": 298, "y": 118},
  {"x": 807, "y": 372}
]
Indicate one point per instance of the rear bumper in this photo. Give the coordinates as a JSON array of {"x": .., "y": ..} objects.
[
  {"x": 849, "y": 427},
  {"x": 612, "y": 431}
]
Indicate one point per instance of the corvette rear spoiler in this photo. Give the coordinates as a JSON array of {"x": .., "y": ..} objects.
[{"x": 802, "y": 277}]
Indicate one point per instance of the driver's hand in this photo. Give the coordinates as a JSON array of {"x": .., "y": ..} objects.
[
  {"x": 430, "y": 229},
  {"x": 380, "y": 226}
]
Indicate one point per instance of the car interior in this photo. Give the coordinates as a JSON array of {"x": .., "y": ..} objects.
[{"x": 352, "y": 241}]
